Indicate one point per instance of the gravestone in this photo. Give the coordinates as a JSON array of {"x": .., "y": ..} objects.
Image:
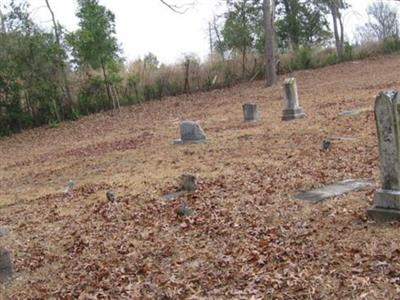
[
  {"x": 110, "y": 195},
  {"x": 191, "y": 133},
  {"x": 386, "y": 205},
  {"x": 6, "y": 270},
  {"x": 69, "y": 187},
  {"x": 188, "y": 184},
  {"x": 250, "y": 112},
  {"x": 292, "y": 107},
  {"x": 4, "y": 231},
  {"x": 333, "y": 190},
  {"x": 184, "y": 210}
]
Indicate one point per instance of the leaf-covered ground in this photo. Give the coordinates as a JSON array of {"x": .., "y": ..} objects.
[{"x": 246, "y": 240}]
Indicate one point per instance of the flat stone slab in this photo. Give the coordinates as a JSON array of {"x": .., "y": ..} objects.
[
  {"x": 333, "y": 190},
  {"x": 341, "y": 138},
  {"x": 6, "y": 269},
  {"x": 354, "y": 112},
  {"x": 4, "y": 231},
  {"x": 172, "y": 196}
]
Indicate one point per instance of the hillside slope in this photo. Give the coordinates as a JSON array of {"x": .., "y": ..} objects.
[{"x": 247, "y": 237}]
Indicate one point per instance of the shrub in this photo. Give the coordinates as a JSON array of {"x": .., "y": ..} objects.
[
  {"x": 303, "y": 58},
  {"x": 391, "y": 45}
]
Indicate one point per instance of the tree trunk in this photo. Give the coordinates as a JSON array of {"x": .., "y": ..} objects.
[
  {"x": 244, "y": 63},
  {"x": 2, "y": 23},
  {"x": 110, "y": 98},
  {"x": 338, "y": 38},
  {"x": 187, "y": 67},
  {"x": 210, "y": 40},
  {"x": 341, "y": 46},
  {"x": 270, "y": 69},
  {"x": 116, "y": 96},
  {"x": 60, "y": 59},
  {"x": 293, "y": 43}
]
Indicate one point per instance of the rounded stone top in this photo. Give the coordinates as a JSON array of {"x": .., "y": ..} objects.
[{"x": 290, "y": 80}]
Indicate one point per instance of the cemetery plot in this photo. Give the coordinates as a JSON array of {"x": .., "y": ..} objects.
[{"x": 93, "y": 224}]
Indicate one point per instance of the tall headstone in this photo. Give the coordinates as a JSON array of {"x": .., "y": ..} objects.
[
  {"x": 191, "y": 132},
  {"x": 387, "y": 199},
  {"x": 250, "y": 112},
  {"x": 292, "y": 107}
]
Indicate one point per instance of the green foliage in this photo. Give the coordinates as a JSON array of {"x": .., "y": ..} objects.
[
  {"x": 348, "y": 51},
  {"x": 391, "y": 45},
  {"x": 92, "y": 96},
  {"x": 238, "y": 31},
  {"x": 301, "y": 23},
  {"x": 303, "y": 58},
  {"x": 30, "y": 94},
  {"x": 53, "y": 124},
  {"x": 94, "y": 43},
  {"x": 151, "y": 61},
  {"x": 242, "y": 29}
]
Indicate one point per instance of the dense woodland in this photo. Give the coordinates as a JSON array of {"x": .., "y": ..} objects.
[{"x": 48, "y": 76}]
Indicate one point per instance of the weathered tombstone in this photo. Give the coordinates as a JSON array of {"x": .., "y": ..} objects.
[
  {"x": 69, "y": 187},
  {"x": 188, "y": 184},
  {"x": 191, "y": 132},
  {"x": 184, "y": 210},
  {"x": 250, "y": 112},
  {"x": 292, "y": 108},
  {"x": 387, "y": 199},
  {"x": 4, "y": 231},
  {"x": 326, "y": 144},
  {"x": 111, "y": 196},
  {"x": 6, "y": 270}
]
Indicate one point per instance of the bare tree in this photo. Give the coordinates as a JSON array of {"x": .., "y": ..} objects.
[
  {"x": 335, "y": 7},
  {"x": 2, "y": 23},
  {"x": 270, "y": 69},
  {"x": 57, "y": 33},
  {"x": 179, "y": 9},
  {"x": 383, "y": 20}
]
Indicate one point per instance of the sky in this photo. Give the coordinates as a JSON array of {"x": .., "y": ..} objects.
[{"x": 145, "y": 26}]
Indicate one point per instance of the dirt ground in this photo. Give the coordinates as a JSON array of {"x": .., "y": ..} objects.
[{"x": 247, "y": 238}]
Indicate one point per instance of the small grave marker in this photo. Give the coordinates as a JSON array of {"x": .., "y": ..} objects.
[
  {"x": 4, "y": 231},
  {"x": 250, "y": 112},
  {"x": 6, "y": 269},
  {"x": 188, "y": 184},
  {"x": 191, "y": 133},
  {"x": 184, "y": 210}
]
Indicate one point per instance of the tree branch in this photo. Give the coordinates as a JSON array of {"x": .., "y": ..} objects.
[{"x": 179, "y": 9}]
